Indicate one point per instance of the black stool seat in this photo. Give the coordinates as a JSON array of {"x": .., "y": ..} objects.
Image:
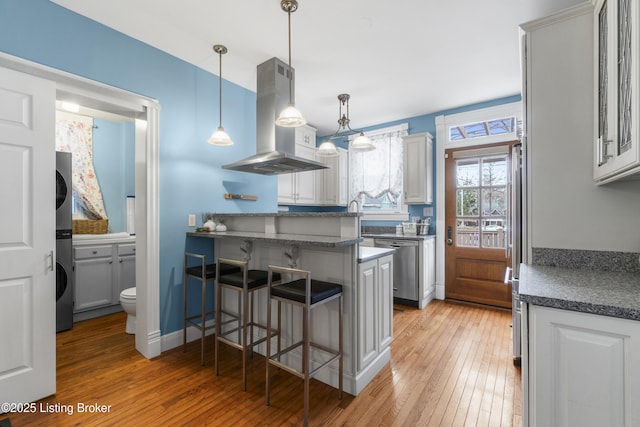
[
  {"x": 210, "y": 273},
  {"x": 255, "y": 279},
  {"x": 296, "y": 290}
]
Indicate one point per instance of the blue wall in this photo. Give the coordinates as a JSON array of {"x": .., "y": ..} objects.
[
  {"x": 114, "y": 162},
  {"x": 191, "y": 180}
]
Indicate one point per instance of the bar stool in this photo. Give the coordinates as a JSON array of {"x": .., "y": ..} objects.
[
  {"x": 203, "y": 272},
  {"x": 308, "y": 294},
  {"x": 246, "y": 282}
]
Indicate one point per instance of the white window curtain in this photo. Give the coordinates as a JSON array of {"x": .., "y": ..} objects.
[
  {"x": 74, "y": 134},
  {"x": 379, "y": 172}
]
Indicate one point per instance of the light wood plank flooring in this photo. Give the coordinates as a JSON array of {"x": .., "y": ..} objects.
[{"x": 451, "y": 365}]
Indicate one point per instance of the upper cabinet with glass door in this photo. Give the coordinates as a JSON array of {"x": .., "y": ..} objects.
[{"x": 617, "y": 111}]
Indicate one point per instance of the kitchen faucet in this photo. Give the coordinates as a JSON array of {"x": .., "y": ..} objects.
[{"x": 357, "y": 202}]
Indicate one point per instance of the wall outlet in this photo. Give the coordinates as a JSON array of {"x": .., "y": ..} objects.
[
  {"x": 427, "y": 211},
  {"x": 192, "y": 220}
]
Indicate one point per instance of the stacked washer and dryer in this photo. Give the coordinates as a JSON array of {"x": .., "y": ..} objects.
[{"x": 64, "y": 257}]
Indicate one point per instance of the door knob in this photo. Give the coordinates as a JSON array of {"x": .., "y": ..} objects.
[{"x": 449, "y": 236}]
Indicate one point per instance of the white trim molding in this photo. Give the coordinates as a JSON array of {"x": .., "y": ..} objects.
[{"x": 443, "y": 123}]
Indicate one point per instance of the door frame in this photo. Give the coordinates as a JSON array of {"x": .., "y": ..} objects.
[
  {"x": 145, "y": 111},
  {"x": 443, "y": 123}
]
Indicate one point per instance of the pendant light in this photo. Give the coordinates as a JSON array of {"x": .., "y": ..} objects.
[
  {"x": 220, "y": 137},
  {"x": 360, "y": 143},
  {"x": 290, "y": 117}
]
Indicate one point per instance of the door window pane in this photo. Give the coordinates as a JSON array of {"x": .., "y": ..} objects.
[
  {"x": 481, "y": 201},
  {"x": 467, "y": 233},
  {"x": 467, "y": 173},
  {"x": 494, "y": 202},
  {"x": 494, "y": 171},
  {"x": 467, "y": 202}
]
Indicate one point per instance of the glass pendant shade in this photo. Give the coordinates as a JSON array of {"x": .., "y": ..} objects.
[
  {"x": 220, "y": 137},
  {"x": 327, "y": 149},
  {"x": 362, "y": 143},
  {"x": 290, "y": 117}
]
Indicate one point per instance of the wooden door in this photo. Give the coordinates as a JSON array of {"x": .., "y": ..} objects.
[
  {"x": 27, "y": 238},
  {"x": 477, "y": 199}
]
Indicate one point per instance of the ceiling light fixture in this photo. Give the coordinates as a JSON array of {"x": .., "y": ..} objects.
[
  {"x": 220, "y": 137},
  {"x": 290, "y": 117},
  {"x": 360, "y": 143}
]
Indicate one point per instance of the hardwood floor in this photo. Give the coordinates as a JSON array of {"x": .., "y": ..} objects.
[{"x": 451, "y": 365}]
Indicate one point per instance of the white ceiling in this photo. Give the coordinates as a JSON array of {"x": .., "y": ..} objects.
[{"x": 396, "y": 58}]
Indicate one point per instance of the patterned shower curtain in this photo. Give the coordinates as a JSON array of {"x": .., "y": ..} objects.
[{"x": 74, "y": 134}]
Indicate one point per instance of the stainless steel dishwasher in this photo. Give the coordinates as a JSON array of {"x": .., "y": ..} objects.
[{"x": 405, "y": 269}]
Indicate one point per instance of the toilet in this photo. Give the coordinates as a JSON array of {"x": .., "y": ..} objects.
[{"x": 128, "y": 302}]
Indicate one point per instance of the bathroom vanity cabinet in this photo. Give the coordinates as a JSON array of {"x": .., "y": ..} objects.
[{"x": 102, "y": 271}]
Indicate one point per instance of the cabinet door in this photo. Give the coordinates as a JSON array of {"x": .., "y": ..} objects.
[
  {"x": 93, "y": 283},
  {"x": 430, "y": 267},
  {"x": 367, "y": 308},
  {"x": 417, "y": 169},
  {"x": 305, "y": 186},
  {"x": 305, "y": 136},
  {"x": 126, "y": 273},
  {"x": 286, "y": 188},
  {"x": 583, "y": 369},
  {"x": 385, "y": 305},
  {"x": 616, "y": 99}
]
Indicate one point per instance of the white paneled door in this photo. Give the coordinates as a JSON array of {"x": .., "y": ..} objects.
[{"x": 27, "y": 238}]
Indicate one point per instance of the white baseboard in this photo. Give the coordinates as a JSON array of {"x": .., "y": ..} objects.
[
  {"x": 439, "y": 291},
  {"x": 174, "y": 339}
]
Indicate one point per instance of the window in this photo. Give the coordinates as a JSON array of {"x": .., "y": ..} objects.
[
  {"x": 501, "y": 126},
  {"x": 375, "y": 177},
  {"x": 481, "y": 201}
]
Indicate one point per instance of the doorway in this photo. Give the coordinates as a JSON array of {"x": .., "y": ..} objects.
[
  {"x": 477, "y": 206},
  {"x": 145, "y": 113}
]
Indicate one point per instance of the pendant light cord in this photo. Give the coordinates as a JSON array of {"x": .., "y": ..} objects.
[
  {"x": 290, "y": 73},
  {"x": 220, "y": 83}
]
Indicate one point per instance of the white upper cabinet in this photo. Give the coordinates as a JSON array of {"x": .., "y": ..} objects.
[
  {"x": 331, "y": 184},
  {"x": 418, "y": 168},
  {"x": 300, "y": 187},
  {"x": 616, "y": 84}
]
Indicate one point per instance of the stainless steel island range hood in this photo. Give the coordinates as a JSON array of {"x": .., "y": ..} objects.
[{"x": 275, "y": 145}]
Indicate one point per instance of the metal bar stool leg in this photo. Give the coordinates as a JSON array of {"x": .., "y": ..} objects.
[{"x": 307, "y": 294}]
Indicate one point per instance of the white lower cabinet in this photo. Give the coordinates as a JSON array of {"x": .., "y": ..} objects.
[
  {"x": 581, "y": 369},
  {"x": 427, "y": 276},
  {"x": 375, "y": 308},
  {"x": 101, "y": 273}
]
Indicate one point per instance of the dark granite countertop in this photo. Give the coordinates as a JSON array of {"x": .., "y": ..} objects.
[
  {"x": 607, "y": 293},
  {"x": 400, "y": 236},
  {"x": 285, "y": 239},
  {"x": 284, "y": 214}
]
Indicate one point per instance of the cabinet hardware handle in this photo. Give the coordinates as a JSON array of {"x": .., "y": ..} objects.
[
  {"x": 602, "y": 150},
  {"x": 94, "y": 252},
  {"x": 51, "y": 267}
]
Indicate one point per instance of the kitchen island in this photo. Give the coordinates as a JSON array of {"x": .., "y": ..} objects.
[
  {"x": 327, "y": 244},
  {"x": 581, "y": 346}
]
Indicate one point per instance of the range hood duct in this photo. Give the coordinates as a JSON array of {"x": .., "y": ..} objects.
[{"x": 275, "y": 145}]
